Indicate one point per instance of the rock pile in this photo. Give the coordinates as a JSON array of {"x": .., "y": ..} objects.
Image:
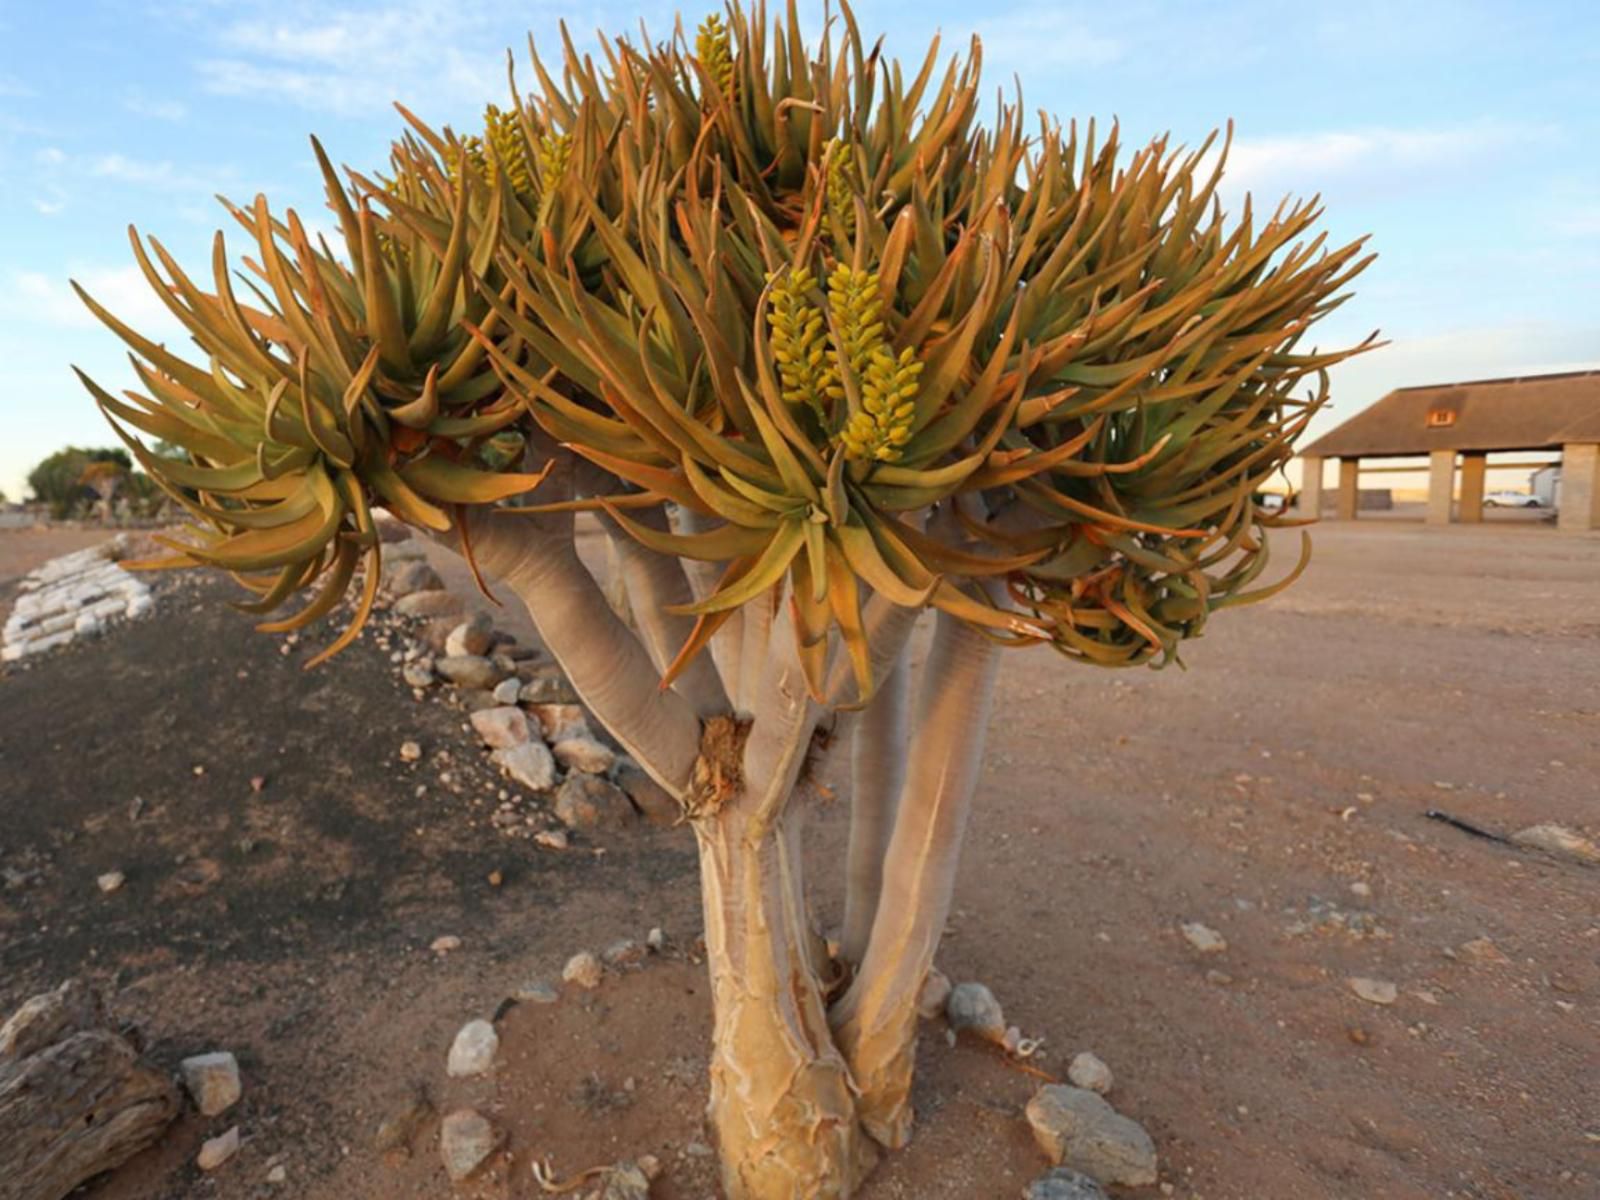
[
  {"x": 521, "y": 707},
  {"x": 76, "y": 595}
]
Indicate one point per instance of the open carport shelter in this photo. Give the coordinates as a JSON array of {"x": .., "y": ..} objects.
[{"x": 1463, "y": 423}]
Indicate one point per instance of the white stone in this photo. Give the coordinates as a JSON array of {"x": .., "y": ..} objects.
[
  {"x": 1088, "y": 1071},
  {"x": 218, "y": 1150},
  {"x": 507, "y": 690},
  {"x": 502, "y": 727},
  {"x": 1374, "y": 991},
  {"x": 213, "y": 1081},
  {"x": 972, "y": 1006},
  {"x": 470, "y": 637},
  {"x": 473, "y": 1051},
  {"x": 583, "y": 969},
  {"x": 1077, "y": 1129},
  {"x": 1203, "y": 938},
  {"x": 110, "y": 881},
  {"x": 466, "y": 1140},
  {"x": 561, "y": 721},
  {"x": 584, "y": 754},
  {"x": 531, "y": 764}
]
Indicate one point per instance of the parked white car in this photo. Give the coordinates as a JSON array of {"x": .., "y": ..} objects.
[{"x": 1511, "y": 500}]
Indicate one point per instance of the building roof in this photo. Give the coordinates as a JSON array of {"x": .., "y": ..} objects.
[{"x": 1534, "y": 412}]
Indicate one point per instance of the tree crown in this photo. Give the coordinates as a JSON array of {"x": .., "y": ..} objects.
[{"x": 798, "y": 292}]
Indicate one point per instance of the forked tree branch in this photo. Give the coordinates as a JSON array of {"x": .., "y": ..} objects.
[
  {"x": 875, "y": 1020},
  {"x": 654, "y": 582},
  {"x": 606, "y": 663}
]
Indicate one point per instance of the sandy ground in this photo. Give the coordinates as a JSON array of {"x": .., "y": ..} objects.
[{"x": 1276, "y": 791}]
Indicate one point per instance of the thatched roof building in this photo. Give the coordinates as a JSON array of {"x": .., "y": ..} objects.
[
  {"x": 1471, "y": 420},
  {"x": 1534, "y": 412}
]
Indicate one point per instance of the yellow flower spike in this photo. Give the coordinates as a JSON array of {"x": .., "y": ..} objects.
[
  {"x": 469, "y": 154},
  {"x": 799, "y": 344},
  {"x": 857, "y": 307},
  {"x": 841, "y": 191},
  {"x": 503, "y": 134},
  {"x": 714, "y": 48},
  {"x": 883, "y": 425},
  {"x": 555, "y": 152}
]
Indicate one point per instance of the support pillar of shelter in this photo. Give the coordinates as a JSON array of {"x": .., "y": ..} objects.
[
  {"x": 1441, "y": 485},
  {"x": 1580, "y": 488},
  {"x": 1310, "y": 501},
  {"x": 1349, "y": 488},
  {"x": 1474, "y": 470}
]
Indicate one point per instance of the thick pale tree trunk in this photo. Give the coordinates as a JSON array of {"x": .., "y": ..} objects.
[
  {"x": 877, "y": 772},
  {"x": 875, "y": 1021},
  {"x": 781, "y": 1100},
  {"x": 796, "y": 1090}
]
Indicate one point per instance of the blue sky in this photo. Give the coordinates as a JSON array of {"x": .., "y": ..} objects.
[{"x": 1460, "y": 135}]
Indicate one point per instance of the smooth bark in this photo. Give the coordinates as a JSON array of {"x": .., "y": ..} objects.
[
  {"x": 875, "y": 1021},
  {"x": 877, "y": 773},
  {"x": 653, "y": 583}
]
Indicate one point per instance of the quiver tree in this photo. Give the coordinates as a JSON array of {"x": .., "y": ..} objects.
[{"x": 821, "y": 352}]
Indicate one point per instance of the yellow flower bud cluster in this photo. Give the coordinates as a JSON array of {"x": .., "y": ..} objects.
[
  {"x": 888, "y": 389},
  {"x": 470, "y": 154},
  {"x": 714, "y": 48},
  {"x": 811, "y": 363},
  {"x": 841, "y": 191},
  {"x": 503, "y": 133},
  {"x": 800, "y": 344},
  {"x": 555, "y": 151},
  {"x": 857, "y": 307}
]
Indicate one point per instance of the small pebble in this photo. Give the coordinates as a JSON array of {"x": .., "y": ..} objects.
[
  {"x": 1088, "y": 1071},
  {"x": 410, "y": 751},
  {"x": 1203, "y": 938},
  {"x": 583, "y": 969},
  {"x": 218, "y": 1150},
  {"x": 973, "y": 1006},
  {"x": 111, "y": 881},
  {"x": 538, "y": 992},
  {"x": 1374, "y": 991},
  {"x": 473, "y": 1051}
]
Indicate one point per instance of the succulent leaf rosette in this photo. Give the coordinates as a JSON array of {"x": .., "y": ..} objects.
[{"x": 857, "y": 339}]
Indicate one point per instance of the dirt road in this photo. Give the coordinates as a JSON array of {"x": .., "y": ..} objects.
[{"x": 1275, "y": 791}]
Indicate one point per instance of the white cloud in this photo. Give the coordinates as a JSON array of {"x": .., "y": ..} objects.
[
  {"x": 162, "y": 176},
  {"x": 37, "y": 298},
  {"x": 355, "y": 62},
  {"x": 49, "y": 208},
  {"x": 50, "y": 156},
  {"x": 11, "y": 86},
  {"x": 1368, "y": 160}
]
